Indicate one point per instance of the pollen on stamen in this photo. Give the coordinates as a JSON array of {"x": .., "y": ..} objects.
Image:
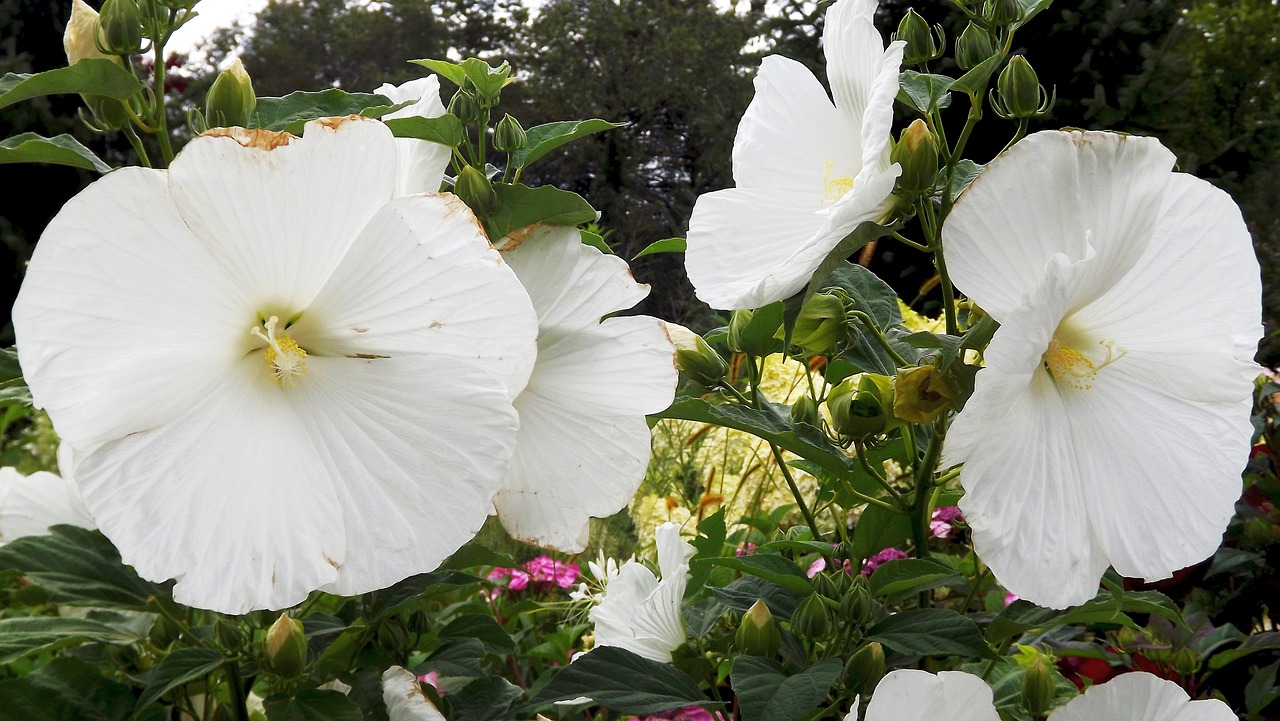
[
  {"x": 285, "y": 358},
  {"x": 1068, "y": 366},
  {"x": 835, "y": 187}
]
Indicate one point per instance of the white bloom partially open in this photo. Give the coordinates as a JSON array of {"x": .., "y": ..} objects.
[
  {"x": 583, "y": 445},
  {"x": 640, "y": 613},
  {"x": 29, "y": 505},
  {"x": 808, "y": 171},
  {"x": 290, "y": 379},
  {"x": 1140, "y": 697},
  {"x": 422, "y": 162},
  {"x": 404, "y": 698},
  {"x": 1111, "y": 422},
  {"x": 912, "y": 695}
]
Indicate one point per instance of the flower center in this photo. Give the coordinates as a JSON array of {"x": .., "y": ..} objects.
[
  {"x": 1073, "y": 369},
  {"x": 286, "y": 360},
  {"x": 835, "y": 187}
]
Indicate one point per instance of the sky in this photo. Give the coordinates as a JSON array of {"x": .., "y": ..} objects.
[{"x": 211, "y": 15}]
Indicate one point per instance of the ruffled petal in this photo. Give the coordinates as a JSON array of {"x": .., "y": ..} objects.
[
  {"x": 613, "y": 617},
  {"x": 863, "y": 76},
  {"x": 29, "y": 505},
  {"x": 912, "y": 695},
  {"x": 404, "y": 698},
  {"x": 1140, "y": 697},
  {"x": 421, "y": 279},
  {"x": 422, "y": 162},
  {"x": 277, "y": 212},
  {"x": 1056, "y": 192},
  {"x": 124, "y": 321}
]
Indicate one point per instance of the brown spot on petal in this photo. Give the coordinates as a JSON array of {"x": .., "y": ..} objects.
[
  {"x": 254, "y": 137},
  {"x": 512, "y": 240},
  {"x": 359, "y": 330},
  {"x": 367, "y": 356},
  {"x": 335, "y": 122},
  {"x": 332, "y": 562},
  {"x": 436, "y": 324}
]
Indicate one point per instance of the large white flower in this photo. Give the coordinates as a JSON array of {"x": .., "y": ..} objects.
[
  {"x": 422, "y": 162},
  {"x": 290, "y": 379},
  {"x": 911, "y": 695},
  {"x": 1111, "y": 422},
  {"x": 29, "y": 505},
  {"x": 1140, "y": 697},
  {"x": 640, "y": 613},
  {"x": 583, "y": 444},
  {"x": 807, "y": 171}
]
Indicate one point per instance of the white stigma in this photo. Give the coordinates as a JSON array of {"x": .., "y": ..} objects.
[{"x": 285, "y": 358}]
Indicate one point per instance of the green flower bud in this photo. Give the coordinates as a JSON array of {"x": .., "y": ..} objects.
[
  {"x": 120, "y": 27},
  {"x": 509, "y": 136},
  {"x": 858, "y": 605},
  {"x": 79, "y": 42},
  {"x": 285, "y": 647},
  {"x": 419, "y": 622},
  {"x": 745, "y": 338},
  {"x": 1038, "y": 688},
  {"x": 805, "y": 410},
  {"x": 390, "y": 636},
  {"x": 465, "y": 106},
  {"x": 163, "y": 632},
  {"x": 922, "y": 394},
  {"x": 921, "y": 47},
  {"x": 812, "y": 619},
  {"x": 974, "y": 46},
  {"x": 230, "y": 636},
  {"x": 820, "y": 326},
  {"x": 824, "y": 584},
  {"x": 862, "y": 405},
  {"x": 758, "y": 634},
  {"x": 1002, "y": 12},
  {"x": 697, "y": 360},
  {"x": 1020, "y": 93},
  {"x": 917, "y": 152},
  {"x": 230, "y": 101},
  {"x": 476, "y": 191},
  {"x": 865, "y": 668},
  {"x": 1186, "y": 662}
]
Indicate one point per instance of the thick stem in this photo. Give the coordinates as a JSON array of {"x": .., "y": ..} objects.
[
  {"x": 235, "y": 685},
  {"x": 160, "y": 120}
]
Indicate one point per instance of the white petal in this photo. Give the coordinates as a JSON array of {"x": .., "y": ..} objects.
[
  {"x": 230, "y": 498},
  {"x": 912, "y": 695},
  {"x": 422, "y": 163},
  {"x": 614, "y": 616},
  {"x": 278, "y": 218},
  {"x": 1056, "y": 192},
  {"x": 422, "y": 279},
  {"x": 863, "y": 75},
  {"x": 29, "y": 505},
  {"x": 404, "y": 699},
  {"x": 1140, "y": 697},
  {"x": 673, "y": 554},
  {"x": 415, "y": 447},
  {"x": 123, "y": 320}
]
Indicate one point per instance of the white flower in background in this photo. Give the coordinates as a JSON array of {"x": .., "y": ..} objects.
[
  {"x": 1140, "y": 697},
  {"x": 911, "y": 695},
  {"x": 289, "y": 380},
  {"x": 1111, "y": 422},
  {"x": 583, "y": 444},
  {"x": 807, "y": 171},
  {"x": 637, "y": 611},
  {"x": 404, "y": 698},
  {"x": 29, "y": 505},
  {"x": 422, "y": 162}
]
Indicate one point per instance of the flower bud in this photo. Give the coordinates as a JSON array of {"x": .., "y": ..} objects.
[
  {"x": 974, "y": 46},
  {"x": 917, "y": 152},
  {"x": 464, "y": 106},
  {"x": 811, "y": 619},
  {"x": 1186, "y": 662},
  {"x": 820, "y": 326},
  {"x": 922, "y": 394},
  {"x": 1038, "y": 688},
  {"x": 758, "y": 634},
  {"x": 695, "y": 358},
  {"x": 391, "y": 636},
  {"x": 745, "y": 338},
  {"x": 805, "y": 410},
  {"x": 921, "y": 47},
  {"x": 509, "y": 136},
  {"x": 858, "y": 605},
  {"x": 229, "y": 635},
  {"x": 1020, "y": 93},
  {"x": 78, "y": 41},
  {"x": 862, "y": 405},
  {"x": 120, "y": 27},
  {"x": 824, "y": 584},
  {"x": 230, "y": 100},
  {"x": 1002, "y": 12},
  {"x": 475, "y": 190},
  {"x": 865, "y": 668},
  {"x": 285, "y": 647}
]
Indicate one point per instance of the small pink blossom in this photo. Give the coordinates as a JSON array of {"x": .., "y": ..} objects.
[
  {"x": 543, "y": 572},
  {"x": 432, "y": 679},
  {"x": 1009, "y": 598},
  {"x": 518, "y": 579},
  {"x": 942, "y": 522},
  {"x": 888, "y": 554},
  {"x": 820, "y": 565},
  {"x": 745, "y": 550},
  {"x": 688, "y": 713}
]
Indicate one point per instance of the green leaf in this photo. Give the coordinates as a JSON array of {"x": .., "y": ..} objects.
[
  {"x": 59, "y": 150},
  {"x": 313, "y": 705},
  {"x": 449, "y": 71},
  {"x": 542, "y": 139},
  {"x": 519, "y": 206},
  {"x": 595, "y": 240},
  {"x": 475, "y": 554},
  {"x": 461, "y": 657},
  {"x": 708, "y": 544},
  {"x": 852, "y": 243},
  {"x": 179, "y": 667},
  {"x": 486, "y": 699},
  {"x": 482, "y": 628},
  {"x": 974, "y": 82},
  {"x": 766, "y": 694},
  {"x": 65, "y": 689},
  {"x": 879, "y": 529},
  {"x": 13, "y": 387},
  {"x": 768, "y": 566},
  {"x": 445, "y": 130},
  {"x": 77, "y": 567},
  {"x": 744, "y": 592},
  {"x": 26, "y": 635},
  {"x": 291, "y": 112},
  {"x": 923, "y": 91},
  {"x": 801, "y": 439},
  {"x": 965, "y": 173},
  {"x": 1030, "y": 9},
  {"x": 667, "y": 245},
  {"x": 89, "y": 77},
  {"x": 1265, "y": 641},
  {"x": 912, "y": 575},
  {"x": 870, "y": 294},
  {"x": 622, "y": 681},
  {"x": 931, "y": 632}
]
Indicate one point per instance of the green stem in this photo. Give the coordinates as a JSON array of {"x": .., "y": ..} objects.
[
  {"x": 138, "y": 147},
  {"x": 933, "y": 233},
  {"x": 860, "y": 451},
  {"x": 923, "y": 500},
  {"x": 160, "y": 118},
  {"x": 870, "y": 324},
  {"x": 909, "y": 242},
  {"x": 755, "y": 372},
  {"x": 235, "y": 685}
]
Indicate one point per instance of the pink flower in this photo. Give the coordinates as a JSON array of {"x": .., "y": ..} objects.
[
  {"x": 432, "y": 678},
  {"x": 745, "y": 550},
  {"x": 688, "y": 713},
  {"x": 816, "y": 567},
  {"x": 519, "y": 580},
  {"x": 888, "y": 554},
  {"x": 546, "y": 572},
  {"x": 942, "y": 522},
  {"x": 1009, "y": 598}
]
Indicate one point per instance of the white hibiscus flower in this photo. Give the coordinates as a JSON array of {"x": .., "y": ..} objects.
[
  {"x": 1140, "y": 697},
  {"x": 422, "y": 162},
  {"x": 637, "y": 611},
  {"x": 29, "y": 505},
  {"x": 911, "y": 695},
  {"x": 289, "y": 380},
  {"x": 1111, "y": 422},
  {"x": 404, "y": 698},
  {"x": 583, "y": 444},
  {"x": 807, "y": 171}
]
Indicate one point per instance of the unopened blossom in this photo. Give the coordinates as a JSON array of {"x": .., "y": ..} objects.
[
  {"x": 640, "y": 612},
  {"x": 290, "y": 379},
  {"x": 403, "y": 696},
  {"x": 912, "y": 695},
  {"x": 1110, "y": 424},
  {"x": 808, "y": 170},
  {"x": 29, "y": 505},
  {"x": 584, "y": 444},
  {"x": 422, "y": 162}
]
